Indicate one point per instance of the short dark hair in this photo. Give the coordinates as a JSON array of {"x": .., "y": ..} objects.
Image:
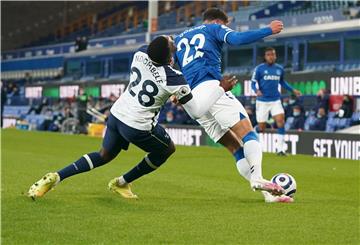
[
  {"x": 268, "y": 49},
  {"x": 159, "y": 50},
  {"x": 215, "y": 13}
]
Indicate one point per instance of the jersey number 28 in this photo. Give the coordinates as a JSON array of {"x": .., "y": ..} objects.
[
  {"x": 198, "y": 41},
  {"x": 148, "y": 89}
]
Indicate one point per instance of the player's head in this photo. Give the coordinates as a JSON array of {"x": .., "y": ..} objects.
[
  {"x": 160, "y": 50},
  {"x": 270, "y": 55},
  {"x": 215, "y": 16}
]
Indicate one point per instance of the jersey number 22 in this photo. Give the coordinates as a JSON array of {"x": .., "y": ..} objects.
[{"x": 198, "y": 41}]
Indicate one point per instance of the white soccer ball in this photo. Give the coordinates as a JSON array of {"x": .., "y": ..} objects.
[{"x": 287, "y": 182}]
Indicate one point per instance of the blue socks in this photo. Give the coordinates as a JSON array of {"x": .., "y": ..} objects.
[
  {"x": 250, "y": 136},
  {"x": 84, "y": 164},
  {"x": 239, "y": 154}
]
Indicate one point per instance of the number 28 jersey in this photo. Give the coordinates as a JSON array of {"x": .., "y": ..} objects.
[
  {"x": 149, "y": 88},
  {"x": 198, "y": 52}
]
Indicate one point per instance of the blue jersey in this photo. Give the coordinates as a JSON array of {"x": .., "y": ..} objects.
[
  {"x": 267, "y": 78},
  {"x": 199, "y": 50}
]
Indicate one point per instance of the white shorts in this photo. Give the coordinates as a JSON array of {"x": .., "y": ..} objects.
[
  {"x": 264, "y": 108},
  {"x": 223, "y": 115}
]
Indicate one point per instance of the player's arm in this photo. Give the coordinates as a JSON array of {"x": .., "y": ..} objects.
[
  {"x": 254, "y": 80},
  {"x": 235, "y": 38},
  {"x": 287, "y": 86}
]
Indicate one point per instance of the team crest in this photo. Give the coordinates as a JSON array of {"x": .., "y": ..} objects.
[
  {"x": 184, "y": 90},
  {"x": 278, "y": 72}
]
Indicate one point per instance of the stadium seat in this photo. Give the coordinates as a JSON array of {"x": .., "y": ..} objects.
[
  {"x": 331, "y": 114},
  {"x": 15, "y": 111},
  {"x": 309, "y": 121},
  {"x": 331, "y": 124},
  {"x": 343, "y": 123},
  {"x": 288, "y": 123},
  {"x": 35, "y": 120}
]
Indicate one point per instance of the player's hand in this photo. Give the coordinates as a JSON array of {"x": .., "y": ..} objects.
[
  {"x": 173, "y": 99},
  {"x": 297, "y": 92},
  {"x": 228, "y": 82},
  {"x": 276, "y": 26},
  {"x": 258, "y": 93}
]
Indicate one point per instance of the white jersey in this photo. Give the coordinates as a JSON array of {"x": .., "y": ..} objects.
[{"x": 149, "y": 88}]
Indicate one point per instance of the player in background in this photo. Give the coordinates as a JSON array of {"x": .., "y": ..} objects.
[
  {"x": 199, "y": 57},
  {"x": 133, "y": 119},
  {"x": 265, "y": 83}
]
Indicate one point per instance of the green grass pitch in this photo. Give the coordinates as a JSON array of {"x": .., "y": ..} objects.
[{"x": 197, "y": 197}]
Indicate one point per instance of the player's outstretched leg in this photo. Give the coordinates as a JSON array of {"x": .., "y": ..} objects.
[
  {"x": 253, "y": 155},
  {"x": 112, "y": 144},
  {"x": 86, "y": 163},
  {"x": 230, "y": 141}
]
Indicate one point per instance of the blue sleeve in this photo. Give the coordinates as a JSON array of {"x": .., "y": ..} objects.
[
  {"x": 254, "y": 79},
  {"x": 239, "y": 38},
  {"x": 220, "y": 31},
  {"x": 285, "y": 84},
  {"x": 253, "y": 86}
]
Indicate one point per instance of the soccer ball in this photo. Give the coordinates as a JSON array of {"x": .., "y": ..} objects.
[{"x": 287, "y": 182}]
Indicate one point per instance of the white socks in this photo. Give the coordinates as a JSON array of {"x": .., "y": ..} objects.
[
  {"x": 121, "y": 181},
  {"x": 253, "y": 155},
  {"x": 281, "y": 142},
  {"x": 244, "y": 168}
]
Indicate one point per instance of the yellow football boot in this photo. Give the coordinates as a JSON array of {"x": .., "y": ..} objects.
[
  {"x": 45, "y": 184},
  {"x": 123, "y": 190}
]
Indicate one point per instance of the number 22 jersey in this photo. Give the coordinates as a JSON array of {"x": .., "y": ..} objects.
[
  {"x": 149, "y": 88},
  {"x": 199, "y": 52}
]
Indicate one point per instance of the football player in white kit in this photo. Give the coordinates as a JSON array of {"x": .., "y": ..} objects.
[{"x": 134, "y": 116}]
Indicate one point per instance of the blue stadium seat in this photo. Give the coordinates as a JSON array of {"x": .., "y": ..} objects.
[
  {"x": 15, "y": 111},
  {"x": 310, "y": 120},
  {"x": 35, "y": 120},
  {"x": 331, "y": 114},
  {"x": 331, "y": 124},
  {"x": 343, "y": 123},
  {"x": 288, "y": 123},
  {"x": 355, "y": 116}
]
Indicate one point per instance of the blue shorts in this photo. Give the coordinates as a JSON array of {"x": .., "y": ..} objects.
[{"x": 119, "y": 135}]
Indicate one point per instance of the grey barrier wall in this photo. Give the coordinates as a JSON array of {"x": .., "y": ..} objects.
[{"x": 317, "y": 144}]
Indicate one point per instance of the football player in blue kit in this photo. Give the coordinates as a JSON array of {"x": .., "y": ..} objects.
[
  {"x": 133, "y": 119},
  {"x": 198, "y": 55},
  {"x": 265, "y": 83}
]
